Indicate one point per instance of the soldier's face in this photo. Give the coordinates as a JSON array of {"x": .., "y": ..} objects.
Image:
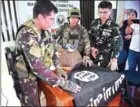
[
  {"x": 73, "y": 21},
  {"x": 104, "y": 13},
  {"x": 47, "y": 20}
]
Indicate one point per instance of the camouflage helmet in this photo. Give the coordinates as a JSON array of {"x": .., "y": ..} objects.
[{"x": 74, "y": 12}]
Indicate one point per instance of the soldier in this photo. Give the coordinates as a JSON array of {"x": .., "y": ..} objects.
[
  {"x": 75, "y": 34},
  {"x": 105, "y": 38},
  {"x": 38, "y": 55}
]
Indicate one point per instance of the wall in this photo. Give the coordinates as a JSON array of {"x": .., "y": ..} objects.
[
  {"x": 120, "y": 6},
  {"x": 63, "y": 7},
  {"x": 86, "y": 15}
]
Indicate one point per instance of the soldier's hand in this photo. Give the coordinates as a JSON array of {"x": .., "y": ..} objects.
[
  {"x": 87, "y": 61},
  {"x": 113, "y": 64},
  {"x": 94, "y": 52},
  {"x": 69, "y": 85},
  {"x": 62, "y": 73}
]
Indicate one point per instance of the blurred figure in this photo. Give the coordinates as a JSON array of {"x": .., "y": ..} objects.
[
  {"x": 75, "y": 34},
  {"x": 134, "y": 49},
  {"x": 105, "y": 38},
  {"x": 126, "y": 33}
]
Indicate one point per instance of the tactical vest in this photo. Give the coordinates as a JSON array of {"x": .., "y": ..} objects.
[{"x": 72, "y": 36}]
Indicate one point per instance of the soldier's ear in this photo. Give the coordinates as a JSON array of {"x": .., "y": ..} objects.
[{"x": 40, "y": 17}]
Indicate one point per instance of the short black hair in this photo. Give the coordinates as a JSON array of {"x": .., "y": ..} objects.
[
  {"x": 105, "y": 4},
  {"x": 43, "y": 7}
]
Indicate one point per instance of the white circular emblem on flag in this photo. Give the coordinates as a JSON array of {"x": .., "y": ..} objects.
[{"x": 86, "y": 76}]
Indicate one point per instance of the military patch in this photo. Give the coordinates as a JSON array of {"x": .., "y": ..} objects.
[{"x": 60, "y": 19}]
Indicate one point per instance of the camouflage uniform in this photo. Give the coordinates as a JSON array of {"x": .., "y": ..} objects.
[
  {"x": 106, "y": 38},
  {"x": 41, "y": 54},
  {"x": 76, "y": 36}
]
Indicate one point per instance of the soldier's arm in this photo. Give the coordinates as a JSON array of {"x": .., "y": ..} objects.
[
  {"x": 85, "y": 38},
  {"x": 92, "y": 34},
  {"x": 117, "y": 42},
  {"x": 90, "y": 31},
  {"x": 55, "y": 58},
  {"x": 33, "y": 54}
]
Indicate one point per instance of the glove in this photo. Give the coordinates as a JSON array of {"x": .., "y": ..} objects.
[
  {"x": 62, "y": 73},
  {"x": 113, "y": 64},
  {"x": 87, "y": 61},
  {"x": 69, "y": 85}
]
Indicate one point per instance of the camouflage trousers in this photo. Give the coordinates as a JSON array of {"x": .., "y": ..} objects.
[{"x": 30, "y": 92}]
